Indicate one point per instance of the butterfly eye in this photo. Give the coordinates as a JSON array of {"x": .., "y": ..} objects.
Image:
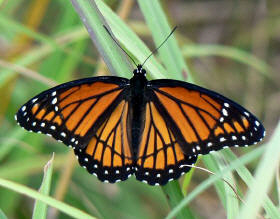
[
  {"x": 135, "y": 71},
  {"x": 143, "y": 71}
]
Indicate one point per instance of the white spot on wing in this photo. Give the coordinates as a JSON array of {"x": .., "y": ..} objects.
[
  {"x": 225, "y": 112},
  {"x": 63, "y": 134},
  {"x": 226, "y": 104},
  {"x": 23, "y": 108},
  {"x": 54, "y": 101}
]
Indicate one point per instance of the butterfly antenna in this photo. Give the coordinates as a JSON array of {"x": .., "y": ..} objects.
[
  {"x": 119, "y": 45},
  {"x": 156, "y": 49}
]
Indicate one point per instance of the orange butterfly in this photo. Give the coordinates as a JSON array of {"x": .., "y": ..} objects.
[{"x": 153, "y": 129}]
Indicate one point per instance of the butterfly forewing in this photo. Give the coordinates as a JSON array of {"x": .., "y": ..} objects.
[{"x": 202, "y": 120}]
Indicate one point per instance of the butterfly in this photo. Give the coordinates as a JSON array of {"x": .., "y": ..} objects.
[{"x": 154, "y": 129}]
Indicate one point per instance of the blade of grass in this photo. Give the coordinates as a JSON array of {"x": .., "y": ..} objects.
[
  {"x": 212, "y": 179},
  {"x": 67, "y": 209},
  {"x": 40, "y": 52},
  {"x": 271, "y": 210},
  {"x": 174, "y": 196},
  {"x": 8, "y": 22},
  {"x": 94, "y": 21},
  {"x": 6, "y": 145},
  {"x": 260, "y": 187},
  {"x": 170, "y": 53},
  {"x": 28, "y": 166},
  {"x": 40, "y": 208},
  {"x": 2, "y": 215},
  {"x": 131, "y": 41},
  {"x": 236, "y": 54}
]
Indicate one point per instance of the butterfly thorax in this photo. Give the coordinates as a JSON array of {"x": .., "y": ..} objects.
[{"x": 138, "y": 84}]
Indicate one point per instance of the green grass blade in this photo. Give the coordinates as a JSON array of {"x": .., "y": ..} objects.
[
  {"x": 263, "y": 179},
  {"x": 271, "y": 210},
  {"x": 2, "y": 215},
  {"x": 212, "y": 179},
  {"x": 174, "y": 195},
  {"x": 39, "y": 53},
  {"x": 226, "y": 194},
  {"x": 94, "y": 21},
  {"x": 170, "y": 53},
  {"x": 8, "y": 22},
  {"x": 131, "y": 41},
  {"x": 40, "y": 208},
  {"x": 198, "y": 50},
  {"x": 67, "y": 209},
  {"x": 6, "y": 145}
]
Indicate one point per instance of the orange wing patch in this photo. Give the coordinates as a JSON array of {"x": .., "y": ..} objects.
[
  {"x": 203, "y": 121},
  {"x": 159, "y": 156},
  {"x": 109, "y": 147},
  {"x": 109, "y": 151}
]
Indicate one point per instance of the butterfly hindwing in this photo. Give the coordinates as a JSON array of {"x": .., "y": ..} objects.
[
  {"x": 202, "y": 120},
  {"x": 160, "y": 158},
  {"x": 108, "y": 154}
]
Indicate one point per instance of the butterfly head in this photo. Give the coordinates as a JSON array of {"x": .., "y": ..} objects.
[{"x": 139, "y": 70}]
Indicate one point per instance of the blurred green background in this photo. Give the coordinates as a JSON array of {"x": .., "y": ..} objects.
[{"x": 231, "y": 47}]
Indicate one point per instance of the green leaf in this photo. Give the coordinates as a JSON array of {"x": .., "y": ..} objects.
[
  {"x": 263, "y": 178},
  {"x": 170, "y": 53},
  {"x": 174, "y": 195},
  {"x": 198, "y": 50},
  {"x": 2, "y": 215},
  {"x": 40, "y": 208},
  {"x": 212, "y": 179},
  {"x": 271, "y": 210},
  {"x": 67, "y": 209},
  {"x": 131, "y": 41},
  {"x": 94, "y": 21}
]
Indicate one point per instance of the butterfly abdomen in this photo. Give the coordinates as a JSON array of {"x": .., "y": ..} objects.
[{"x": 137, "y": 89}]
